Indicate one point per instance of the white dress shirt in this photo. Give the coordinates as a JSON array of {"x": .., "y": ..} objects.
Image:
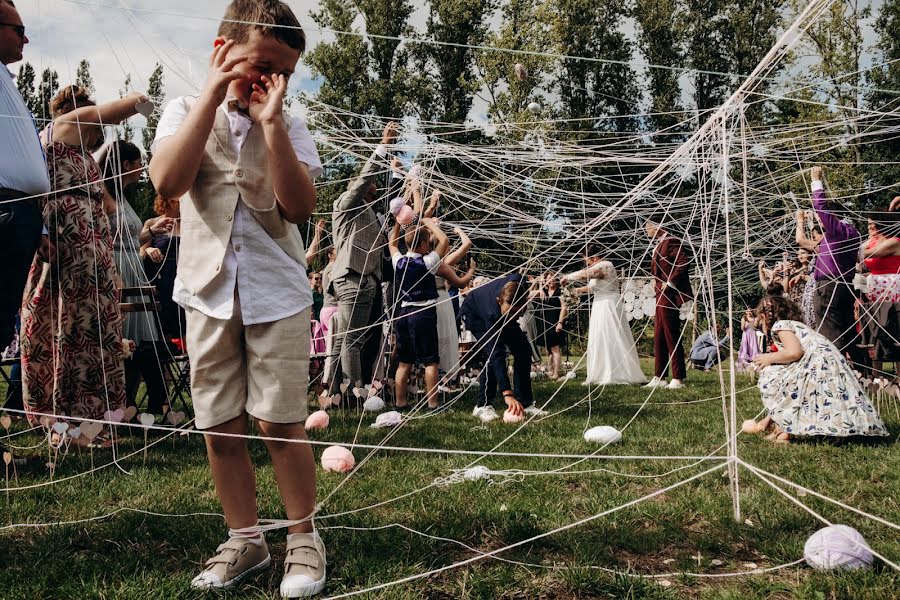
[
  {"x": 22, "y": 164},
  {"x": 270, "y": 284}
]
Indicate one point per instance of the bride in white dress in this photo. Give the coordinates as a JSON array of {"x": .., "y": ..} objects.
[{"x": 611, "y": 354}]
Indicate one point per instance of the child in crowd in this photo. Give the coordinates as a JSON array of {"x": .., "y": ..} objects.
[
  {"x": 241, "y": 277},
  {"x": 416, "y": 324},
  {"x": 749, "y": 340},
  {"x": 807, "y": 386}
]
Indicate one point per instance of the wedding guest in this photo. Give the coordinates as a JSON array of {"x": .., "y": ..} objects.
[
  {"x": 23, "y": 178},
  {"x": 749, "y": 340},
  {"x": 807, "y": 386},
  {"x": 882, "y": 259},
  {"x": 71, "y": 323},
  {"x": 552, "y": 320},
  {"x": 122, "y": 170},
  {"x": 162, "y": 240},
  {"x": 809, "y": 242},
  {"x": 835, "y": 266}
]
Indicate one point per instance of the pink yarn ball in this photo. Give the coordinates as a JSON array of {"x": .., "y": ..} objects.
[
  {"x": 508, "y": 417},
  {"x": 406, "y": 215},
  {"x": 317, "y": 420},
  {"x": 337, "y": 459},
  {"x": 396, "y": 205}
]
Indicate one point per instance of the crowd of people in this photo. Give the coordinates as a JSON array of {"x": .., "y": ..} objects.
[{"x": 231, "y": 274}]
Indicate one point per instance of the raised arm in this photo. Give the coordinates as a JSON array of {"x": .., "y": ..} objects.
[
  {"x": 832, "y": 226},
  {"x": 394, "y": 241},
  {"x": 449, "y": 273},
  {"x": 765, "y": 276},
  {"x": 356, "y": 190},
  {"x": 433, "y": 203},
  {"x": 443, "y": 243},
  {"x": 177, "y": 158},
  {"x": 465, "y": 245},
  {"x": 74, "y": 125},
  {"x": 316, "y": 242},
  {"x": 800, "y": 234}
]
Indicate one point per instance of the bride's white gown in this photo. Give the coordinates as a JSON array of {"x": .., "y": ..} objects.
[{"x": 611, "y": 355}]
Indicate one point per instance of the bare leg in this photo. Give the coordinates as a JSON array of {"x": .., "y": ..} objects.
[
  {"x": 763, "y": 424},
  {"x": 431, "y": 383},
  {"x": 233, "y": 473},
  {"x": 295, "y": 471},
  {"x": 555, "y": 361},
  {"x": 401, "y": 380}
]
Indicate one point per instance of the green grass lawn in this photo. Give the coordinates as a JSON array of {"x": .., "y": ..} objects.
[{"x": 690, "y": 528}]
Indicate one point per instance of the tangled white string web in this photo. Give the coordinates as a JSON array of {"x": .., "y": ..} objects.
[{"x": 639, "y": 178}]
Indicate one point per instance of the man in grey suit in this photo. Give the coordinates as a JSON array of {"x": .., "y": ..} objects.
[{"x": 356, "y": 272}]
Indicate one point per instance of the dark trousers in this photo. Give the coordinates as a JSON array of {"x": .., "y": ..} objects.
[
  {"x": 833, "y": 303},
  {"x": 668, "y": 350},
  {"x": 20, "y": 237},
  {"x": 145, "y": 363},
  {"x": 511, "y": 339}
]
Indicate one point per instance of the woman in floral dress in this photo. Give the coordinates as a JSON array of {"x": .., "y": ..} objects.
[
  {"x": 807, "y": 386},
  {"x": 72, "y": 359}
]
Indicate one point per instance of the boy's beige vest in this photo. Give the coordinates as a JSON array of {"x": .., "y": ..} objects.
[{"x": 207, "y": 212}]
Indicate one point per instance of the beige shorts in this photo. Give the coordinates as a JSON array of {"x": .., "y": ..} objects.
[{"x": 261, "y": 369}]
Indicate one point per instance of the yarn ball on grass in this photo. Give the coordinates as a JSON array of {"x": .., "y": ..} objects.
[
  {"x": 749, "y": 426},
  {"x": 337, "y": 459},
  {"x": 602, "y": 434},
  {"x": 839, "y": 547},
  {"x": 509, "y": 417},
  {"x": 373, "y": 404},
  {"x": 317, "y": 420},
  {"x": 389, "y": 419}
]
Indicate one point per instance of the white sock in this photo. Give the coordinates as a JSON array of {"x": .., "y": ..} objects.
[{"x": 251, "y": 534}]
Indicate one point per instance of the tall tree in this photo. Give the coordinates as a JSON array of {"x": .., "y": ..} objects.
[
  {"x": 342, "y": 66},
  {"x": 883, "y": 96},
  {"x": 661, "y": 41},
  {"x": 606, "y": 86},
  {"x": 83, "y": 76},
  {"x": 456, "y": 25},
  {"x": 126, "y": 129},
  {"x": 706, "y": 31},
  {"x": 387, "y": 20},
  {"x": 158, "y": 96},
  {"x": 508, "y": 94},
  {"x": 25, "y": 85},
  {"x": 47, "y": 89}
]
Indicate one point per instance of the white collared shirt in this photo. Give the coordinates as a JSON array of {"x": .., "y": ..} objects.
[
  {"x": 22, "y": 164},
  {"x": 270, "y": 284}
]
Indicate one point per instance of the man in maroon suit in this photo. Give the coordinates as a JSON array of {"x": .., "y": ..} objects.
[{"x": 669, "y": 268}]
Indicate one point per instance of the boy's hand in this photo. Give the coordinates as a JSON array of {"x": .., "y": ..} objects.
[
  {"x": 266, "y": 103},
  {"x": 320, "y": 226},
  {"x": 816, "y": 173},
  {"x": 221, "y": 72}
]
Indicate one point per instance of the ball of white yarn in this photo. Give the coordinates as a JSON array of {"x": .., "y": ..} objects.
[
  {"x": 602, "y": 434},
  {"x": 534, "y": 108},
  {"x": 373, "y": 404},
  {"x": 389, "y": 419},
  {"x": 837, "y": 547},
  {"x": 476, "y": 472}
]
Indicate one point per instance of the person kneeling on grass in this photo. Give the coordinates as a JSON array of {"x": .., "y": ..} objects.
[
  {"x": 416, "y": 325},
  {"x": 807, "y": 386}
]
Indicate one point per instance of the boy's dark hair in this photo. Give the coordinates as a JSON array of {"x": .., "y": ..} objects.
[
  {"x": 778, "y": 308},
  {"x": 270, "y": 17}
]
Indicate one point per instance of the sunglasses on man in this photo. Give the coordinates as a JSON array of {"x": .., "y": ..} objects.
[{"x": 19, "y": 29}]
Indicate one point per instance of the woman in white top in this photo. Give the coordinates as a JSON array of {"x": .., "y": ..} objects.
[{"x": 611, "y": 354}]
